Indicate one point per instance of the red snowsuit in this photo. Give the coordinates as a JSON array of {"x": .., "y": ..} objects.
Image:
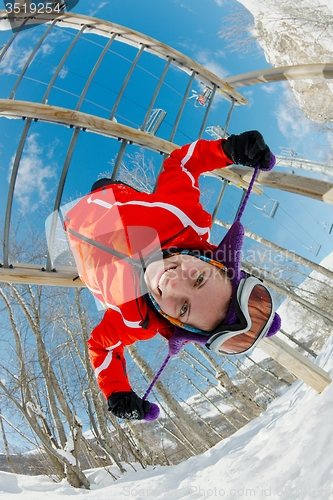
[{"x": 137, "y": 224}]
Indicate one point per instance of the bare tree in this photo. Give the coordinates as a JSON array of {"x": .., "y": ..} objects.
[
  {"x": 200, "y": 439},
  {"x": 5, "y": 443}
]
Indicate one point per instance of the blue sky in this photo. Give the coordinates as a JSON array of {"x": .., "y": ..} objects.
[{"x": 192, "y": 27}]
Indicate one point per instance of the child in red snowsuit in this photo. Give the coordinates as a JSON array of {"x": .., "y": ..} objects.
[{"x": 120, "y": 237}]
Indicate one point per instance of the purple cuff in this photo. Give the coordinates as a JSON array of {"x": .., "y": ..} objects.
[
  {"x": 181, "y": 337},
  {"x": 272, "y": 162},
  {"x": 275, "y": 326},
  {"x": 153, "y": 413}
]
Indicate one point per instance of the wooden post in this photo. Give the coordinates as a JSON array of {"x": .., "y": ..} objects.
[
  {"x": 306, "y": 186},
  {"x": 296, "y": 363},
  {"x": 35, "y": 275}
]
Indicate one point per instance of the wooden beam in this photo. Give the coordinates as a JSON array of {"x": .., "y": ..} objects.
[
  {"x": 297, "y": 72},
  {"x": 296, "y": 363},
  {"x": 102, "y": 126},
  {"x": 68, "y": 117},
  {"x": 230, "y": 176},
  {"x": 130, "y": 37},
  {"x": 34, "y": 275},
  {"x": 306, "y": 186}
]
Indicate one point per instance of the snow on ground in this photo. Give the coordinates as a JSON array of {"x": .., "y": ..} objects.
[{"x": 286, "y": 453}]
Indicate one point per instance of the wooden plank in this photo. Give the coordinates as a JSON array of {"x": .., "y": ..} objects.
[
  {"x": 134, "y": 38},
  {"x": 297, "y": 72},
  {"x": 296, "y": 363},
  {"x": 236, "y": 179},
  {"x": 34, "y": 275},
  {"x": 305, "y": 186},
  {"x": 68, "y": 117}
]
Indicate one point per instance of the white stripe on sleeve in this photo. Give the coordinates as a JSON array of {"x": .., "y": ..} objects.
[{"x": 107, "y": 359}]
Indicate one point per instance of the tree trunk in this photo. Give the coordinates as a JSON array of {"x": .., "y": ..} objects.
[
  {"x": 251, "y": 407},
  {"x": 6, "y": 447},
  {"x": 201, "y": 439}
]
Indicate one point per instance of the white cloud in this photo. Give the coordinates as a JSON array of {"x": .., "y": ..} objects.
[
  {"x": 208, "y": 60},
  {"x": 14, "y": 59},
  {"x": 291, "y": 120},
  {"x": 47, "y": 49},
  {"x": 57, "y": 36},
  {"x": 269, "y": 89},
  {"x": 302, "y": 134},
  {"x": 63, "y": 73},
  {"x": 249, "y": 93},
  {"x": 98, "y": 8},
  {"x": 219, "y": 2},
  {"x": 31, "y": 183},
  {"x": 184, "y": 6}
]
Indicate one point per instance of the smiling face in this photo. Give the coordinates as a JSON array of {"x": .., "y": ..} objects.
[{"x": 190, "y": 290}]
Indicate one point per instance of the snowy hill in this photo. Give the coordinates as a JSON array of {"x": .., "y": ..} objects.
[
  {"x": 286, "y": 453},
  {"x": 293, "y": 33}
]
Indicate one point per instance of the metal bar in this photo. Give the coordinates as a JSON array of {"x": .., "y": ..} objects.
[
  {"x": 95, "y": 68},
  {"x": 226, "y": 126},
  {"x": 12, "y": 39},
  {"x": 134, "y": 38},
  {"x": 19, "y": 155},
  {"x": 119, "y": 159},
  {"x": 11, "y": 191},
  {"x": 60, "y": 65},
  {"x": 152, "y": 102},
  {"x": 303, "y": 164},
  {"x": 49, "y": 260},
  {"x": 128, "y": 76},
  {"x": 30, "y": 58},
  {"x": 222, "y": 191},
  {"x": 75, "y": 135},
  {"x": 207, "y": 113},
  {"x": 188, "y": 88},
  {"x": 219, "y": 200},
  {"x": 165, "y": 156}
]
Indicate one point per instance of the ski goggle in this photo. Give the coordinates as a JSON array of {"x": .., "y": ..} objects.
[{"x": 254, "y": 307}]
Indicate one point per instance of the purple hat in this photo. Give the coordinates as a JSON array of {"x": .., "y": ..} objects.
[{"x": 229, "y": 252}]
